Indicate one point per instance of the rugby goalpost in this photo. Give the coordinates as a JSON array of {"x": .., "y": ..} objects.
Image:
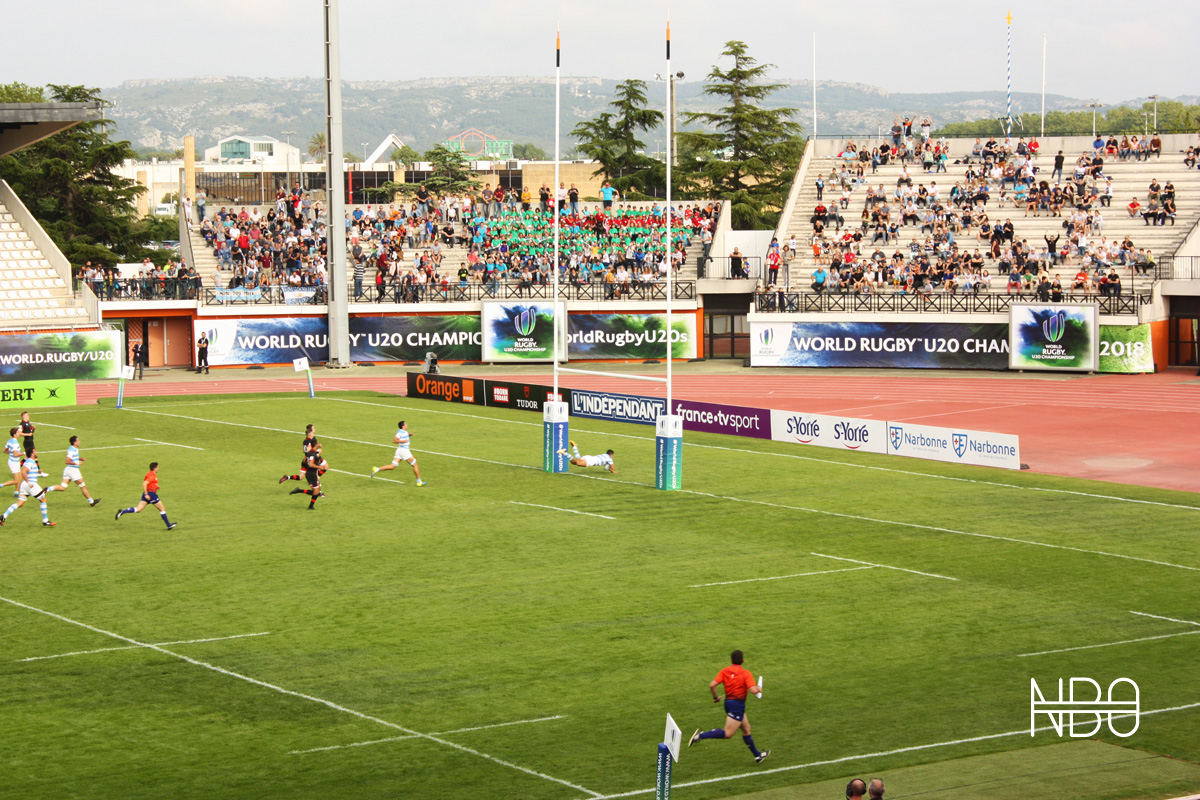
[{"x": 668, "y": 449}]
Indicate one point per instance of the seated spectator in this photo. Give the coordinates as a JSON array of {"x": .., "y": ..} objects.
[{"x": 1134, "y": 207}]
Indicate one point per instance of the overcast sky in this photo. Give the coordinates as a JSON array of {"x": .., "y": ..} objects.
[{"x": 1096, "y": 50}]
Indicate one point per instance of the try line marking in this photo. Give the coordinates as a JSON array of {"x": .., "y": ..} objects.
[
  {"x": 1126, "y": 641},
  {"x": 795, "y": 456},
  {"x": 1168, "y": 619},
  {"x": 884, "y": 566},
  {"x": 556, "y": 508},
  {"x": 778, "y": 577},
  {"x": 311, "y": 698},
  {"x": 730, "y": 498},
  {"x": 439, "y": 733},
  {"x": 864, "y": 756},
  {"x": 156, "y": 644},
  {"x": 167, "y": 444}
]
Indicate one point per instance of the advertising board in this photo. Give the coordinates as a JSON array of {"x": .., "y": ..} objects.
[
  {"x": 1053, "y": 337},
  {"x": 60, "y": 356},
  {"x": 822, "y": 430},
  {"x": 36, "y": 394},
  {"x": 523, "y": 396},
  {"x": 629, "y": 336},
  {"x": 616, "y": 407},
  {"x": 445, "y": 387},
  {"x": 273, "y": 340},
  {"x": 720, "y": 418},
  {"x": 520, "y": 331},
  {"x": 922, "y": 345},
  {"x": 1126, "y": 349},
  {"x": 454, "y": 337},
  {"x": 954, "y": 445}
]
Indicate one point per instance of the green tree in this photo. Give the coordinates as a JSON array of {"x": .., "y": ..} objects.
[
  {"x": 21, "y": 93},
  {"x": 746, "y": 153},
  {"x": 317, "y": 147},
  {"x": 529, "y": 152},
  {"x": 611, "y": 140},
  {"x": 450, "y": 174},
  {"x": 69, "y": 185},
  {"x": 405, "y": 155}
]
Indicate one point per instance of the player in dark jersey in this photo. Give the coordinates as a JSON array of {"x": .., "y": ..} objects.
[
  {"x": 310, "y": 439},
  {"x": 27, "y": 429},
  {"x": 314, "y": 467},
  {"x": 738, "y": 683}
]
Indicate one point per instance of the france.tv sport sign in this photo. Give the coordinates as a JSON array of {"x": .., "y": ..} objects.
[
  {"x": 954, "y": 445},
  {"x": 820, "y": 430}
]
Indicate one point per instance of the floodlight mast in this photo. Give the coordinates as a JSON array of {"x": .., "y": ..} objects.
[
  {"x": 554, "y": 197},
  {"x": 669, "y": 243},
  {"x": 339, "y": 312}
]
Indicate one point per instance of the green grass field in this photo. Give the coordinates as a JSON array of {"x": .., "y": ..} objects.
[{"x": 510, "y": 650}]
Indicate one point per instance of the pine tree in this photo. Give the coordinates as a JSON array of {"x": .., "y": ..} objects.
[
  {"x": 68, "y": 183},
  {"x": 611, "y": 139},
  {"x": 747, "y": 153}
]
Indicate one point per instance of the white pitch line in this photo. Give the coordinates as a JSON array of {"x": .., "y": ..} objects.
[
  {"x": 302, "y": 696},
  {"x": 1168, "y": 619},
  {"x": 48, "y": 425},
  {"x": 556, "y": 508},
  {"x": 778, "y": 577},
  {"x": 961, "y": 411},
  {"x": 1107, "y": 644},
  {"x": 167, "y": 444},
  {"x": 885, "y": 566},
  {"x": 135, "y": 647},
  {"x": 914, "y": 525},
  {"x": 107, "y": 447},
  {"x": 436, "y": 733},
  {"x": 360, "y": 475},
  {"x": 895, "y": 470},
  {"x": 864, "y": 756}
]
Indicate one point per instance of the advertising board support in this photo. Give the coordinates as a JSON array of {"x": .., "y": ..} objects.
[
  {"x": 555, "y": 430},
  {"x": 668, "y": 452},
  {"x": 126, "y": 375}
]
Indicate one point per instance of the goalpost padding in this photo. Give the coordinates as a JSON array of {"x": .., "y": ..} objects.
[
  {"x": 555, "y": 432},
  {"x": 668, "y": 452}
]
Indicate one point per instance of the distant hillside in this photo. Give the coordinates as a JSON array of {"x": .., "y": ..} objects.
[{"x": 158, "y": 114}]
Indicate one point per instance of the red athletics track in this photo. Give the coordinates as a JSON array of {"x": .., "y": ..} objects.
[{"x": 1138, "y": 429}]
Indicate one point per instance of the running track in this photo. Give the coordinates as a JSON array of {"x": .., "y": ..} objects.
[{"x": 1142, "y": 430}]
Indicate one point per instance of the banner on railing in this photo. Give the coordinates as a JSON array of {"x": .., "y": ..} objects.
[
  {"x": 634, "y": 336},
  {"x": 927, "y": 345},
  {"x": 302, "y": 296},
  {"x": 235, "y": 295},
  {"x": 53, "y": 356},
  {"x": 1054, "y": 337}
]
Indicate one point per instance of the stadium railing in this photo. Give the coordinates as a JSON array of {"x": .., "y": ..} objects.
[
  {"x": 1178, "y": 268},
  {"x": 983, "y": 303},
  {"x": 718, "y": 267}
]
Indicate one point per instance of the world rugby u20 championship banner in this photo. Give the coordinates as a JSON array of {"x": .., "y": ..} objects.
[
  {"x": 53, "y": 356},
  {"x": 454, "y": 337},
  {"x": 1126, "y": 349},
  {"x": 518, "y": 331},
  {"x": 273, "y": 340},
  {"x": 633, "y": 336},
  {"x": 928, "y": 345}
]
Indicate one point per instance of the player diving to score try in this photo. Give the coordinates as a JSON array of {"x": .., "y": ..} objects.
[{"x": 605, "y": 459}]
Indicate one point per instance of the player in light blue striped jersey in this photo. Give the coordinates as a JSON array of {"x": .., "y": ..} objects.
[
  {"x": 71, "y": 473},
  {"x": 13, "y": 449},
  {"x": 30, "y": 472},
  {"x": 401, "y": 440}
]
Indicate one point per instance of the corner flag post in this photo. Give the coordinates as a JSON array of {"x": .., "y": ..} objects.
[
  {"x": 301, "y": 365},
  {"x": 668, "y": 751},
  {"x": 555, "y": 413},
  {"x": 668, "y": 450},
  {"x": 126, "y": 374}
]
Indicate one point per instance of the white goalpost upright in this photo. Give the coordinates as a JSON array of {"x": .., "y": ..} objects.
[{"x": 668, "y": 452}]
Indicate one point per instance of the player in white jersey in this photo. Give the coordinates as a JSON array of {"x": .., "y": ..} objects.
[
  {"x": 71, "y": 473},
  {"x": 401, "y": 440},
  {"x": 30, "y": 472},
  {"x": 14, "y": 451},
  {"x": 603, "y": 460}
]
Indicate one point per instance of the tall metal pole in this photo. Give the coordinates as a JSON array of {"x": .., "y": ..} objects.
[
  {"x": 335, "y": 229},
  {"x": 814, "y": 86},
  {"x": 1154, "y": 97},
  {"x": 288, "y": 156},
  {"x": 1043, "y": 86},
  {"x": 669, "y": 243},
  {"x": 1008, "y": 115},
  {"x": 557, "y": 210}
]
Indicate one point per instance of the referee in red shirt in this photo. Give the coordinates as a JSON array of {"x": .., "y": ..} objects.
[{"x": 738, "y": 682}]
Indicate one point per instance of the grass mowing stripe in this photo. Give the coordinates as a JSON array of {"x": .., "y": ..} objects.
[
  {"x": 802, "y": 458},
  {"x": 556, "y": 508},
  {"x": 863, "y": 756},
  {"x": 1107, "y": 644},
  {"x": 778, "y": 577},
  {"x": 302, "y": 696},
  {"x": 885, "y": 566},
  {"x": 766, "y": 503},
  {"x": 167, "y": 444},
  {"x": 136, "y": 646},
  {"x": 435, "y": 733}
]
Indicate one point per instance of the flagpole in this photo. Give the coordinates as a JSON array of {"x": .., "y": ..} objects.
[
  {"x": 1009, "y": 69},
  {"x": 554, "y": 195},
  {"x": 669, "y": 242}
]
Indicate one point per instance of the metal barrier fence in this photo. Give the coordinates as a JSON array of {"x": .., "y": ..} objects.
[
  {"x": 1178, "y": 268},
  {"x": 722, "y": 267},
  {"x": 983, "y": 303}
]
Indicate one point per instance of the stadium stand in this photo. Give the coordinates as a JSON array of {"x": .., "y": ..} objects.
[{"x": 32, "y": 293}]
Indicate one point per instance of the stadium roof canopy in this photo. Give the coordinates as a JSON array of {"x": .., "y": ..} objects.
[{"x": 22, "y": 124}]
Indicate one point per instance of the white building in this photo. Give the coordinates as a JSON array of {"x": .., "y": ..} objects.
[{"x": 252, "y": 149}]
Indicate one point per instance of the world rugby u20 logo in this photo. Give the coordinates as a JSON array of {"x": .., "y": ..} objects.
[
  {"x": 767, "y": 336},
  {"x": 525, "y": 321},
  {"x": 1055, "y": 326}
]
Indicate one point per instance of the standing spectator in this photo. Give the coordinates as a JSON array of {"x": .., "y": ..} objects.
[
  {"x": 875, "y": 789},
  {"x": 736, "y": 264},
  {"x": 1059, "y": 160},
  {"x": 856, "y": 788},
  {"x": 201, "y": 204},
  {"x": 202, "y": 353},
  {"x": 138, "y": 360},
  {"x": 573, "y": 196}
]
